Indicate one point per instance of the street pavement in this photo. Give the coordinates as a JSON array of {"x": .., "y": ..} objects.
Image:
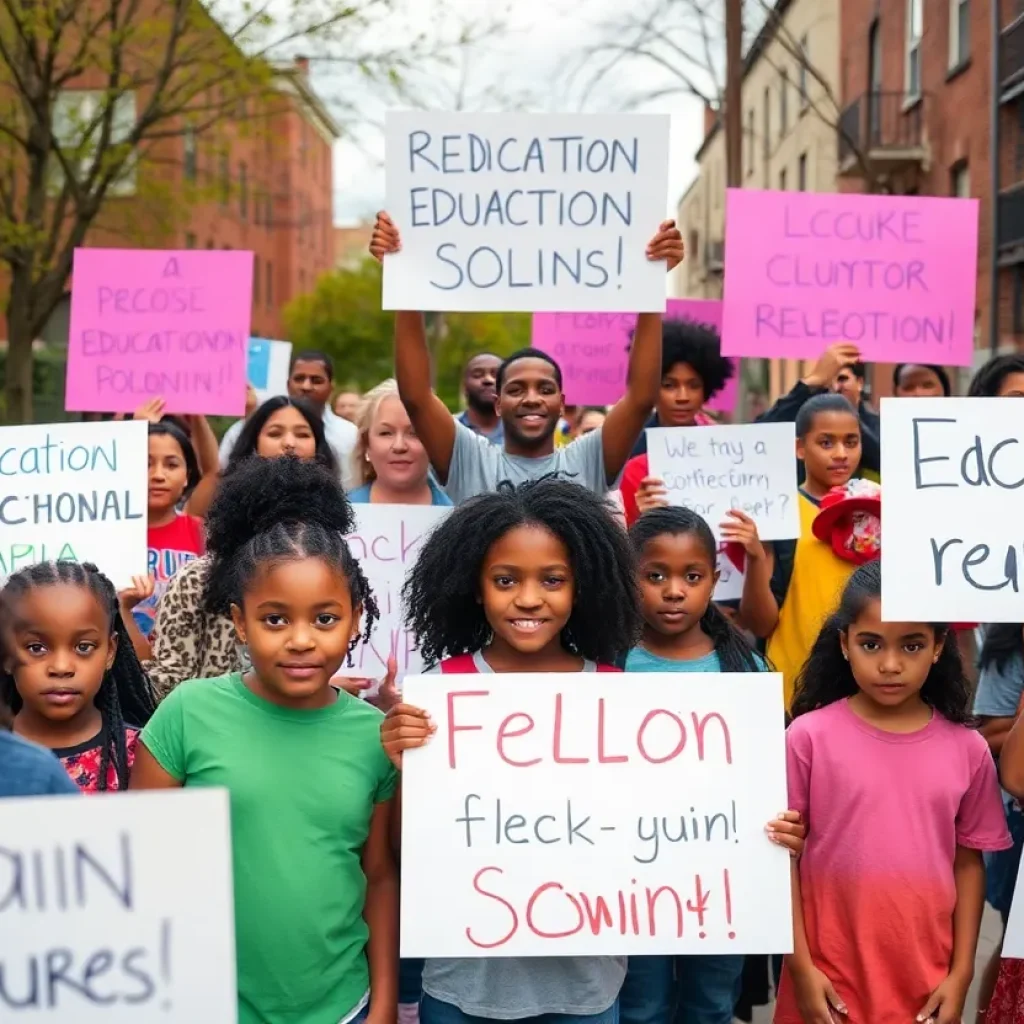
[{"x": 990, "y": 932}]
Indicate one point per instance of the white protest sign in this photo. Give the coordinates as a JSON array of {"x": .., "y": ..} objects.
[
  {"x": 387, "y": 543},
  {"x": 589, "y": 815},
  {"x": 75, "y": 491},
  {"x": 117, "y": 909},
  {"x": 1013, "y": 940},
  {"x": 712, "y": 469},
  {"x": 952, "y": 543},
  {"x": 267, "y": 367},
  {"x": 534, "y": 212},
  {"x": 730, "y": 579}
]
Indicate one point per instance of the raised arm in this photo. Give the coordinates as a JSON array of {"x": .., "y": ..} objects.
[
  {"x": 434, "y": 424},
  {"x": 207, "y": 452},
  {"x": 630, "y": 413}
]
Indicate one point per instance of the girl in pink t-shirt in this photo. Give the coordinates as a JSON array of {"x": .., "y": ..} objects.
[{"x": 900, "y": 798}]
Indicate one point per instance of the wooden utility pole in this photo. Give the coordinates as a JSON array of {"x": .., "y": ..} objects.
[{"x": 733, "y": 93}]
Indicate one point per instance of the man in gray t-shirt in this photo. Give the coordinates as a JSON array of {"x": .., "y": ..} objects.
[{"x": 529, "y": 402}]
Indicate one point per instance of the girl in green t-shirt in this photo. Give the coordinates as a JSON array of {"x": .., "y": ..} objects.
[{"x": 316, "y": 889}]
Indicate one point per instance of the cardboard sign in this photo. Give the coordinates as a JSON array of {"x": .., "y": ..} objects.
[
  {"x": 953, "y": 469},
  {"x": 525, "y": 211},
  {"x": 75, "y": 491},
  {"x": 894, "y": 275},
  {"x": 387, "y": 543},
  {"x": 595, "y": 815},
  {"x": 117, "y": 910},
  {"x": 593, "y": 350},
  {"x": 151, "y": 323},
  {"x": 267, "y": 367},
  {"x": 750, "y": 467}
]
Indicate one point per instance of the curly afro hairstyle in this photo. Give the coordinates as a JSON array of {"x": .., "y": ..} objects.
[
  {"x": 686, "y": 341},
  {"x": 442, "y": 592}
]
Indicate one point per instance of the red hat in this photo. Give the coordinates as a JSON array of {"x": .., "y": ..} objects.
[{"x": 850, "y": 519}]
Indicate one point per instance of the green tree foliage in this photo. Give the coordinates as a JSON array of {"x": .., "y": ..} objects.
[{"x": 342, "y": 316}]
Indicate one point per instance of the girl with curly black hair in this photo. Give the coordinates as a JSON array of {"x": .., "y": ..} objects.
[
  {"x": 69, "y": 672},
  {"x": 538, "y": 578},
  {"x": 316, "y": 891},
  {"x": 693, "y": 371},
  {"x": 901, "y": 797}
]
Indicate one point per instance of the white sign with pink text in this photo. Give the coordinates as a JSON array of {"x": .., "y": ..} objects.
[{"x": 595, "y": 815}]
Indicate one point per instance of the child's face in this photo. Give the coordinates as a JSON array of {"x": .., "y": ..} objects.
[
  {"x": 58, "y": 646},
  {"x": 297, "y": 620},
  {"x": 526, "y": 587},
  {"x": 681, "y": 396},
  {"x": 890, "y": 661},
  {"x": 830, "y": 451},
  {"x": 168, "y": 473},
  {"x": 677, "y": 580}
]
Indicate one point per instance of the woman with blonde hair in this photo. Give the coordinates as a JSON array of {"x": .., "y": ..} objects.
[{"x": 389, "y": 460}]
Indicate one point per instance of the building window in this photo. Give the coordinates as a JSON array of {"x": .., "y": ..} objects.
[
  {"x": 269, "y": 219},
  {"x": 959, "y": 32},
  {"x": 912, "y": 71},
  {"x": 302, "y": 282},
  {"x": 243, "y": 191},
  {"x": 225, "y": 178},
  {"x": 77, "y": 124},
  {"x": 257, "y": 208},
  {"x": 1018, "y": 299},
  {"x": 805, "y": 57},
  {"x": 269, "y": 290},
  {"x": 750, "y": 142},
  {"x": 783, "y": 102},
  {"x": 190, "y": 240},
  {"x": 801, "y": 173},
  {"x": 256, "y": 271},
  {"x": 766, "y": 141},
  {"x": 782, "y": 180},
  {"x": 210, "y": 244},
  {"x": 303, "y": 145},
  {"x": 191, "y": 154},
  {"x": 960, "y": 180}
]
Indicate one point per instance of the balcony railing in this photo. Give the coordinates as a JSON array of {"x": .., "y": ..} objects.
[
  {"x": 1011, "y": 218},
  {"x": 881, "y": 127},
  {"x": 714, "y": 256},
  {"x": 1011, "y": 58}
]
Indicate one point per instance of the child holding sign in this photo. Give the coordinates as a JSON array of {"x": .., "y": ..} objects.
[
  {"x": 684, "y": 631},
  {"x": 901, "y": 798},
  {"x": 533, "y": 579},
  {"x": 790, "y": 588},
  {"x": 316, "y": 892},
  {"x": 69, "y": 671}
]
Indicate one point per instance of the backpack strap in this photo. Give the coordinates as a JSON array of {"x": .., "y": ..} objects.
[{"x": 460, "y": 664}]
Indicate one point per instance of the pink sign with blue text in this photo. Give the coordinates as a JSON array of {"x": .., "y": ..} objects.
[
  {"x": 894, "y": 275},
  {"x": 152, "y": 323},
  {"x": 593, "y": 350}
]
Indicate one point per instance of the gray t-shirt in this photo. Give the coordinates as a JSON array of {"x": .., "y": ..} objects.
[
  {"x": 478, "y": 466},
  {"x": 510, "y": 988}
]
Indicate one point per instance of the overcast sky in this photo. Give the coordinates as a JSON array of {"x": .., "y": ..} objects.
[{"x": 545, "y": 37}]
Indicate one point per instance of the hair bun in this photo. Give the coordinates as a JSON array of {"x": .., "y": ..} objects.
[{"x": 260, "y": 493}]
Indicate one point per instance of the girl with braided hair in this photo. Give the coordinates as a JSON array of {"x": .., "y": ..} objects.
[
  {"x": 316, "y": 890},
  {"x": 685, "y": 631},
  {"x": 69, "y": 671}
]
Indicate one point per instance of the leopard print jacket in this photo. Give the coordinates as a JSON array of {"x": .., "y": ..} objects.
[{"x": 187, "y": 643}]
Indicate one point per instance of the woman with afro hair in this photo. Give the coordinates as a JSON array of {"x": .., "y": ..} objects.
[{"x": 693, "y": 370}]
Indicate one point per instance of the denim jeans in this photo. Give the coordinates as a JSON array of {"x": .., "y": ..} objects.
[
  {"x": 433, "y": 1011},
  {"x": 686, "y": 989}
]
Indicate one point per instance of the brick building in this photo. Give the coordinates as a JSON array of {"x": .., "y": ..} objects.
[
  {"x": 916, "y": 91},
  {"x": 262, "y": 181}
]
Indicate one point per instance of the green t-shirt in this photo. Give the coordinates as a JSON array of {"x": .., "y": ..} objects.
[{"x": 303, "y": 785}]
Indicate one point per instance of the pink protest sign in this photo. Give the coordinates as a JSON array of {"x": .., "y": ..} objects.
[
  {"x": 894, "y": 275},
  {"x": 151, "y": 323},
  {"x": 593, "y": 350}
]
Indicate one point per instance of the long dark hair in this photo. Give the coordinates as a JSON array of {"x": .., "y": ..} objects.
[
  {"x": 249, "y": 436},
  {"x": 734, "y": 653},
  {"x": 125, "y": 695},
  {"x": 1003, "y": 642},
  {"x": 827, "y": 677}
]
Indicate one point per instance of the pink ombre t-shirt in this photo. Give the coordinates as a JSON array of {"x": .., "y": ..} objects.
[{"x": 885, "y": 814}]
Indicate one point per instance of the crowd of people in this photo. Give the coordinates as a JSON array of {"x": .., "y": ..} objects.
[{"x": 560, "y": 554}]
